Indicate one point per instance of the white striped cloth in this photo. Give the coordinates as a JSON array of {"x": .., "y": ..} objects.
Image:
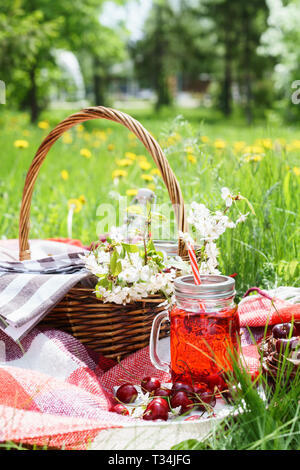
[{"x": 30, "y": 289}]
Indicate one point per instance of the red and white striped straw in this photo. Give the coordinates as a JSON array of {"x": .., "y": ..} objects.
[
  {"x": 195, "y": 269},
  {"x": 194, "y": 265}
]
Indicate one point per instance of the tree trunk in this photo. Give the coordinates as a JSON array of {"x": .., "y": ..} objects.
[
  {"x": 161, "y": 84},
  {"x": 99, "y": 84},
  {"x": 227, "y": 88},
  {"x": 32, "y": 96},
  {"x": 247, "y": 67}
]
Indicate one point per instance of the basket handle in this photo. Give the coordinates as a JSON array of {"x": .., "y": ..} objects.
[{"x": 134, "y": 126}]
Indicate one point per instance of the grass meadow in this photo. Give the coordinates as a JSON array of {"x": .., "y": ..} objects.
[
  {"x": 98, "y": 160},
  {"x": 95, "y": 162}
]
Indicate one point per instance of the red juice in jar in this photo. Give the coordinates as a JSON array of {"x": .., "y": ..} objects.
[
  {"x": 204, "y": 330},
  {"x": 202, "y": 344}
]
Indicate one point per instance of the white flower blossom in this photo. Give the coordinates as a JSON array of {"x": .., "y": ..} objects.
[
  {"x": 136, "y": 280},
  {"x": 227, "y": 196},
  {"x": 242, "y": 218},
  {"x": 117, "y": 234},
  {"x": 209, "y": 226}
]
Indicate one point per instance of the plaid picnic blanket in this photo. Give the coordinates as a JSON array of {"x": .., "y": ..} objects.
[
  {"x": 55, "y": 392},
  {"x": 30, "y": 289}
]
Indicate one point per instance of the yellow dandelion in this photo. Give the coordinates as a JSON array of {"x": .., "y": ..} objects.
[
  {"x": 131, "y": 192},
  {"x": 219, "y": 144},
  {"x": 239, "y": 145},
  {"x": 26, "y": 133},
  {"x": 254, "y": 158},
  {"x": 296, "y": 144},
  {"x": 80, "y": 128},
  {"x": 21, "y": 144},
  {"x": 131, "y": 136},
  {"x": 82, "y": 199},
  {"x": 119, "y": 174},
  {"x": 67, "y": 138},
  {"x": 151, "y": 186},
  {"x": 296, "y": 170},
  {"x": 204, "y": 139},
  {"x": 130, "y": 155},
  {"x": 75, "y": 204},
  {"x": 173, "y": 139},
  {"x": 189, "y": 150},
  {"x": 64, "y": 174},
  {"x": 86, "y": 153},
  {"x": 155, "y": 171},
  {"x": 144, "y": 165},
  {"x": 124, "y": 162},
  {"x": 101, "y": 135},
  {"x": 281, "y": 141},
  {"x": 43, "y": 124},
  {"x": 146, "y": 177},
  {"x": 254, "y": 149},
  {"x": 191, "y": 158},
  {"x": 111, "y": 147},
  {"x": 267, "y": 144},
  {"x": 135, "y": 210},
  {"x": 141, "y": 158},
  {"x": 87, "y": 137}
]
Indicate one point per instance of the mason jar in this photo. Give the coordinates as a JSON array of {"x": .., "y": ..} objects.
[{"x": 204, "y": 331}]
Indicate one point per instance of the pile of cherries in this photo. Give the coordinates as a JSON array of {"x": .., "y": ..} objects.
[
  {"x": 163, "y": 400},
  {"x": 285, "y": 337}
]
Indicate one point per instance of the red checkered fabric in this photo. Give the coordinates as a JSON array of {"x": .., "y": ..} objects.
[
  {"x": 257, "y": 311},
  {"x": 54, "y": 392}
]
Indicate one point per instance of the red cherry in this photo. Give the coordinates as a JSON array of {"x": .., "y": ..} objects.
[
  {"x": 181, "y": 398},
  {"x": 216, "y": 381},
  {"x": 156, "y": 410},
  {"x": 120, "y": 409},
  {"x": 200, "y": 388},
  {"x": 282, "y": 344},
  {"x": 163, "y": 401},
  {"x": 206, "y": 398},
  {"x": 150, "y": 384},
  {"x": 181, "y": 386},
  {"x": 284, "y": 330},
  {"x": 163, "y": 392},
  {"x": 127, "y": 393}
]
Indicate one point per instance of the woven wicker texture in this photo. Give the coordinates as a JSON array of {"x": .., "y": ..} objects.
[{"x": 111, "y": 329}]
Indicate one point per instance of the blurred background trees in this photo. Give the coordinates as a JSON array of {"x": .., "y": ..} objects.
[{"x": 239, "y": 57}]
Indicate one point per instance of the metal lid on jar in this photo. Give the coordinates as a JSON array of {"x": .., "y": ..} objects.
[{"x": 212, "y": 287}]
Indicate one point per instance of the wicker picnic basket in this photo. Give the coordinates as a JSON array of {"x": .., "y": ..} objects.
[{"x": 114, "y": 330}]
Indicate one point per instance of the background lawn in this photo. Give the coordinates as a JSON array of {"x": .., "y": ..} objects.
[{"x": 206, "y": 153}]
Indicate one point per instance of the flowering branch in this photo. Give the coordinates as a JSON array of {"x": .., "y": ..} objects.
[{"x": 208, "y": 226}]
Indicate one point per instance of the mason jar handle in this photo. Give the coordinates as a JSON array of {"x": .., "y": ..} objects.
[{"x": 154, "y": 337}]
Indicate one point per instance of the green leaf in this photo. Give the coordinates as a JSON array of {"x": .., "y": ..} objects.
[
  {"x": 286, "y": 189},
  {"x": 130, "y": 248}
]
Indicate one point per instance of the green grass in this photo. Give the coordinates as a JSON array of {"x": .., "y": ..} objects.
[
  {"x": 266, "y": 417},
  {"x": 263, "y": 251}
]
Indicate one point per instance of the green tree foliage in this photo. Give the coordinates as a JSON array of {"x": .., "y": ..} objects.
[
  {"x": 280, "y": 42},
  {"x": 31, "y": 31},
  {"x": 219, "y": 37},
  {"x": 156, "y": 54},
  {"x": 236, "y": 28},
  {"x": 25, "y": 50}
]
